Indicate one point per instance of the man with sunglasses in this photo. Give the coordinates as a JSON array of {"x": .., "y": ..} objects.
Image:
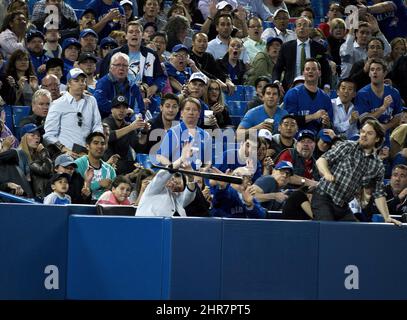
[{"x": 72, "y": 117}]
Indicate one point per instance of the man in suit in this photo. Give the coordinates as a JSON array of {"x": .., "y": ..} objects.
[{"x": 298, "y": 51}]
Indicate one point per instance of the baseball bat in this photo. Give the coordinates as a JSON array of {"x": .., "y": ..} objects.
[{"x": 207, "y": 175}]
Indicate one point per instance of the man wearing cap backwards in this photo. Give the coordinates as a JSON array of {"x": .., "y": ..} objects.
[
  {"x": 305, "y": 171},
  {"x": 345, "y": 171},
  {"x": 35, "y": 46},
  {"x": 281, "y": 18},
  {"x": 310, "y": 101},
  {"x": 73, "y": 116},
  {"x": 267, "y": 189},
  {"x": 259, "y": 117},
  {"x": 124, "y": 135},
  {"x": 116, "y": 83},
  {"x": 87, "y": 63},
  {"x": 180, "y": 67}
]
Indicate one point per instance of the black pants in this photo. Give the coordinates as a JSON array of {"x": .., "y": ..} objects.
[{"x": 325, "y": 209}]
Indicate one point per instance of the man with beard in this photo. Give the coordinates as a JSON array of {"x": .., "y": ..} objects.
[
  {"x": 345, "y": 171},
  {"x": 103, "y": 173},
  {"x": 305, "y": 171}
]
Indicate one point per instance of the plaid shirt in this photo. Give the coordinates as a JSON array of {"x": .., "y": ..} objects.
[
  {"x": 39, "y": 11},
  {"x": 352, "y": 169}
]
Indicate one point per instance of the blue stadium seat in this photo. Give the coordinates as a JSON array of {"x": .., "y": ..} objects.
[
  {"x": 19, "y": 112},
  {"x": 236, "y": 108},
  {"x": 78, "y": 4},
  {"x": 238, "y": 95},
  {"x": 267, "y": 24},
  {"x": 9, "y": 117},
  {"x": 333, "y": 94},
  {"x": 78, "y": 13},
  {"x": 249, "y": 92},
  {"x": 144, "y": 160}
]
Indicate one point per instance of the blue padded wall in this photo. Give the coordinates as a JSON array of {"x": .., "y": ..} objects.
[
  {"x": 269, "y": 259},
  {"x": 31, "y": 238},
  {"x": 192, "y": 257},
  {"x": 377, "y": 250},
  {"x": 114, "y": 257}
]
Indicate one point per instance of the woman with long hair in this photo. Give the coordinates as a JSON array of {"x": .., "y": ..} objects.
[
  {"x": 398, "y": 48},
  {"x": 34, "y": 159},
  {"x": 21, "y": 77},
  {"x": 177, "y": 30},
  {"x": 213, "y": 97}
]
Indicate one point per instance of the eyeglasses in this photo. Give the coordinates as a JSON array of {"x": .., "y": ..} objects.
[
  {"x": 180, "y": 55},
  {"x": 120, "y": 65},
  {"x": 80, "y": 118}
]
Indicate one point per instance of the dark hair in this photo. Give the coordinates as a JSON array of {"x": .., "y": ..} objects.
[
  {"x": 162, "y": 34},
  {"x": 10, "y": 17},
  {"x": 271, "y": 85},
  {"x": 140, "y": 176},
  {"x": 90, "y": 136},
  {"x": 183, "y": 177},
  {"x": 190, "y": 99},
  {"x": 169, "y": 96},
  {"x": 121, "y": 179},
  {"x": 376, "y": 39},
  {"x": 399, "y": 166},
  {"x": 223, "y": 15},
  {"x": 311, "y": 60},
  {"x": 261, "y": 78},
  {"x": 308, "y": 9},
  {"x": 378, "y": 128},
  {"x": 197, "y": 34},
  {"x": 135, "y": 23},
  {"x": 11, "y": 65},
  {"x": 176, "y": 6},
  {"x": 346, "y": 80}
]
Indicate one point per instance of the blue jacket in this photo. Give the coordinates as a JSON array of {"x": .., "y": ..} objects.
[
  {"x": 38, "y": 60},
  {"x": 107, "y": 88},
  {"x": 227, "y": 203}
]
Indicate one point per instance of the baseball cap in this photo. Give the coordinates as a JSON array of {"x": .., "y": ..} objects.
[
  {"x": 270, "y": 40},
  {"x": 324, "y": 137},
  {"x": 223, "y": 4},
  {"x": 59, "y": 176},
  {"x": 85, "y": 56},
  {"x": 280, "y": 10},
  {"x": 264, "y": 133},
  {"x": 299, "y": 79},
  {"x": 34, "y": 34},
  {"x": 306, "y": 134},
  {"x": 88, "y": 10},
  {"x": 70, "y": 42},
  {"x": 179, "y": 47},
  {"x": 150, "y": 24},
  {"x": 123, "y": 2},
  {"x": 108, "y": 41},
  {"x": 54, "y": 62},
  {"x": 198, "y": 76},
  {"x": 75, "y": 73},
  {"x": 120, "y": 100},
  {"x": 290, "y": 116},
  {"x": 284, "y": 165},
  {"x": 86, "y": 32},
  {"x": 65, "y": 160},
  {"x": 29, "y": 128}
]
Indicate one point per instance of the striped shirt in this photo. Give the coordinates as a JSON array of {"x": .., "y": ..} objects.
[{"x": 352, "y": 169}]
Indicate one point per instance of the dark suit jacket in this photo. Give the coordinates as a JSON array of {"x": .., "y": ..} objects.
[{"x": 287, "y": 60}]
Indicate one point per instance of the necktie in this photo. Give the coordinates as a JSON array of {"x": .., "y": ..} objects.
[{"x": 303, "y": 57}]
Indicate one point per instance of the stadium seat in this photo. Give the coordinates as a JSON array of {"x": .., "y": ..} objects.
[
  {"x": 249, "y": 92},
  {"x": 236, "y": 108},
  {"x": 113, "y": 210},
  {"x": 238, "y": 95},
  {"x": 267, "y": 24},
  {"x": 333, "y": 94},
  {"x": 8, "y": 111},
  {"x": 144, "y": 160},
  {"x": 19, "y": 112}
]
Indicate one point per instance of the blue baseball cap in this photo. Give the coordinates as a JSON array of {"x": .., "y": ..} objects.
[
  {"x": 86, "y": 32},
  {"x": 306, "y": 134},
  {"x": 324, "y": 137},
  {"x": 179, "y": 47},
  {"x": 29, "y": 128},
  {"x": 34, "y": 34},
  {"x": 65, "y": 160},
  {"x": 75, "y": 73},
  {"x": 70, "y": 42},
  {"x": 108, "y": 41},
  {"x": 285, "y": 165},
  {"x": 270, "y": 40}
]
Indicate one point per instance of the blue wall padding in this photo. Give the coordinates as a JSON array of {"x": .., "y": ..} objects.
[
  {"x": 30, "y": 240},
  {"x": 192, "y": 258},
  {"x": 269, "y": 259},
  {"x": 114, "y": 257},
  {"x": 378, "y": 251}
]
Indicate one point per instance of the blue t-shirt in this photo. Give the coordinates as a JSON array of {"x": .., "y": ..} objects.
[
  {"x": 367, "y": 101},
  {"x": 394, "y": 23},
  {"x": 269, "y": 185},
  {"x": 134, "y": 68},
  {"x": 101, "y": 9},
  {"x": 181, "y": 76},
  {"x": 258, "y": 114},
  {"x": 298, "y": 101}
]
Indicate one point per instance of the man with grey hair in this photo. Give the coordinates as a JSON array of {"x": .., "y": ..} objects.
[
  {"x": 116, "y": 83},
  {"x": 72, "y": 117},
  {"x": 39, "y": 107},
  {"x": 51, "y": 83}
]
